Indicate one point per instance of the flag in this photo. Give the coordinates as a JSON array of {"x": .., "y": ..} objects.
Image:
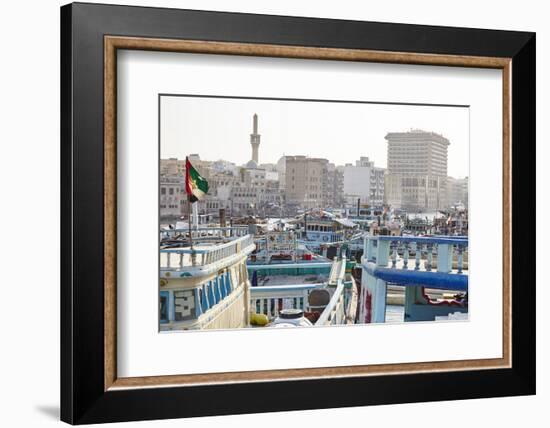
[{"x": 195, "y": 185}]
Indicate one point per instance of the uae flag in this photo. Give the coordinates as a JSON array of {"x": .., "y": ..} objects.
[{"x": 195, "y": 185}]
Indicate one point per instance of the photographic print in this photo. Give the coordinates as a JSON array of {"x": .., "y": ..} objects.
[{"x": 283, "y": 213}]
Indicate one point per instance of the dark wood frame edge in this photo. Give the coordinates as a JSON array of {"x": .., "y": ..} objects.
[{"x": 113, "y": 43}]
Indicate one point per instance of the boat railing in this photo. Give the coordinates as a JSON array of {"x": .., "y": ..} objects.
[
  {"x": 336, "y": 237},
  {"x": 435, "y": 262},
  {"x": 324, "y": 237},
  {"x": 178, "y": 258},
  {"x": 337, "y": 271},
  {"x": 419, "y": 253},
  {"x": 206, "y": 232},
  {"x": 269, "y": 300},
  {"x": 335, "y": 311}
]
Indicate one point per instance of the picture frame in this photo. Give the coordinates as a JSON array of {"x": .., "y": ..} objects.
[{"x": 91, "y": 391}]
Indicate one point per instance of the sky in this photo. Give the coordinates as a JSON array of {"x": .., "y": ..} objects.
[{"x": 217, "y": 128}]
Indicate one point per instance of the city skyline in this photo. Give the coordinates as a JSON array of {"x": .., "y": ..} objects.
[{"x": 219, "y": 128}]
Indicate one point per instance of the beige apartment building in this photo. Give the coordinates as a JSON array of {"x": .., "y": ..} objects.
[
  {"x": 306, "y": 182},
  {"x": 172, "y": 196},
  {"x": 175, "y": 166},
  {"x": 172, "y": 166}
]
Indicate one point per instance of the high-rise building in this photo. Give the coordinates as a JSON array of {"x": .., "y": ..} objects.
[
  {"x": 417, "y": 170},
  {"x": 306, "y": 182}
]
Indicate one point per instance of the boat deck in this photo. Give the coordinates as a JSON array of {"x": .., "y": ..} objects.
[
  {"x": 222, "y": 250},
  {"x": 273, "y": 280}
]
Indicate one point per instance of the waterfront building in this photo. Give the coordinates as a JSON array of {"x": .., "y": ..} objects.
[
  {"x": 221, "y": 185},
  {"x": 203, "y": 166},
  {"x": 269, "y": 167},
  {"x": 417, "y": 170},
  {"x": 281, "y": 169},
  {"x": 357, "y": 179},
  {"x": 335, "y": 180},
  {"x": 211, "y": 204},
  {"x": 377, "y": 186},
  {"x": 457, "y": 191},
  {"x": 173, "y": 200},
  {"x": 250, "y": 175},
  {"x": 172, "y": 166},
  {"x": 176, "y": 167},
  {"x": 220, "y": 180},
  {"x": 222, "y": 167},
  {"x": 246, "y": 190},
  {"x": 172, "y": 196},
  {"x": 306, "y": 182},
  {"x": 271, "y": 198},
  {"x": 271, "y": 176},
  {"x": 364, "y": 181},
  {"x": 244, "y": 200}
]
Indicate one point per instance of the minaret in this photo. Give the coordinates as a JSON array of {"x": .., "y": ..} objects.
[{"x": 255, "y": 139}]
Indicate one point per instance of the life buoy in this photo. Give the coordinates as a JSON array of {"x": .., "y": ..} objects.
[{"x": 325, "y": 238}]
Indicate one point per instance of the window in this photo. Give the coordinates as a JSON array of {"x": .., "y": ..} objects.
[
  {"x": 184, "y": 305},
  {"x": 164, "y": 307},
  {"x": 171, "y": 191},
  {"x": 163, "y": 190}
]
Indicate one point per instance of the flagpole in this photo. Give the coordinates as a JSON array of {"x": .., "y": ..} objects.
[
  {"x": 190, "y": 229},
  {"x": 195, "y": 187}
]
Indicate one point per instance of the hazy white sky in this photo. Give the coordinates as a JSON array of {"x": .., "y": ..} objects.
[{"x": 218, "y": 128}]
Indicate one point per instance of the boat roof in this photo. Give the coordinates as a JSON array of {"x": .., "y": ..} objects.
[
  {"x": 345, "y": 222},
  {"x": 279, "y": 280}
]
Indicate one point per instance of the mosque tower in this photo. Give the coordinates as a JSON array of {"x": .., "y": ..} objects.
[{"x": 255, "y": 139}]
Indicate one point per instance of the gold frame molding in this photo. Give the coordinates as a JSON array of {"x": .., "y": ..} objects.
[{"x": 113, "y": 43}]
